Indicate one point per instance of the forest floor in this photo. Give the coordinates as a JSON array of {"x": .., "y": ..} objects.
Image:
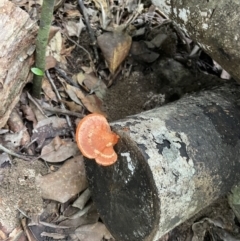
[{"x": 160, "y": 67}]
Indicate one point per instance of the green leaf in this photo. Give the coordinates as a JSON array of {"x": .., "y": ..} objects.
[{"x": 37, "y": 71}]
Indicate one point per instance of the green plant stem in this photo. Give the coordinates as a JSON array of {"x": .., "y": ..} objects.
[{"x": 41, "y": 44}]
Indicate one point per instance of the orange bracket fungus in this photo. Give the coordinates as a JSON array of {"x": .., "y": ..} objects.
[{"x": 96, "y": 140}]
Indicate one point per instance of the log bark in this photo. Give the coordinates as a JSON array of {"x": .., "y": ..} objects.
[
  {"x": 17, "y": 41},
  {"x": 172, "y": 162},
  {"x": 213, "y": 24}
]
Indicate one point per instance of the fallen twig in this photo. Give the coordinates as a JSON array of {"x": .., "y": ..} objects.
[
  {"x": 91, "y": 33},
  {"x": 35, "y": 102},
  {"x": 61, "y": 104},
  {"x": 62, "y": 111},
  {"x": 79, "y": 46},
  {"x": 62, "y": 74},
  {"x": 12, "y": 153}
]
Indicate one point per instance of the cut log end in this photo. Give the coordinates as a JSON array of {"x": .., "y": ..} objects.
[{"x": 125, "y": 192}]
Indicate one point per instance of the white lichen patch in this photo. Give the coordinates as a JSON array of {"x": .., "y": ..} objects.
[
  {"x": 205, "y": 26},
  {"x": 184, "y": 14},
  {"x": 130, "y": 165},
  {"x": 173, "y": 172},
  {"x": 164, "y": 6}
]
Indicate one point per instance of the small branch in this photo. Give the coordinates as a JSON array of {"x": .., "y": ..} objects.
[
  {"x": 63, "y": 111},
  {"x": 79, "y": 46},
  {"x": 61, "y": 104},
  {"x": 90, "y": 31},
  {"x": 13, "y": 153},
  {"x": 62, "y": 74},
  {"x": 35, "y": 102}
]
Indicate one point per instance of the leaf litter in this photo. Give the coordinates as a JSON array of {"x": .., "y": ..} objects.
[{"x": 38, "y": 131}]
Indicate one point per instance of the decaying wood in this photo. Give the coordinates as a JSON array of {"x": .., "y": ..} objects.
[
  {"x": 172, "y": 162},
  {"x": 213, "y": 24},
  {"x": 17, "y": 40}
]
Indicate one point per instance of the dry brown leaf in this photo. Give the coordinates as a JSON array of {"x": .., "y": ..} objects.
[
  {"x": 115, "y": 47},
  {"x": 90, "y": 217},
  {"x": 47, "y": 88},
  {"x": 53, "y": 31},
  {"x": 21, "y": 136},
  {"x": 93, "y": 232},
  {"x": 49, "y": 128},
  {"x": 29, "y": 114},
  {"x": 67, "y": 51},
  {"x": 71, "y": 91},
  {"x": 3, "y": 236},
  {"x": 72, "y": 13},
  {"x": 91, "y": 102},
  {"x": 73, "y": 106},
  {"x": 104, "y": 7},
  {"x": 51, "y": 62},
  {"x": 82, "y": 199},
  {"x": 59, "y": 150},
  {"x": 38, "y": 114},
  {"x": 65, "y": 183},
  {"x": 74, "y": 28},
  {"x": 54, "y": 47},
  {"x": 91, "y": 83}
]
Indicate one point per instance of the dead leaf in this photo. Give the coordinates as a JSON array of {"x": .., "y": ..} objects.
[
  {"x": 13, "y": 140},
  {"x": 38, "y": 114},
  {"x": 104, "y": 7},
  {"x": 55, "y": 46},
  {"x": 21, "y": 136},
  {"x": 91, "y": 102},
  {"x": 4, "y": 160},
  {"x": 92, "y": 216},
  {"x": 29, "y": 114},
  {"x": 49, "y": 128},
  {"x": 92, "y": 84},
  {"x": 82, "y": 199},
  {"x": 59, "y": 150},
  {"x": 47, "y": 88},
  {"x": 115, "y": 47},
  {"x": 73, "y": 106},
  {"x": 65, "y": 183},
  {"x": 93, "y": 232},
  {"x": 53, "y": 31},
  {"x": 74, "y": 28},
  {"x": 71, "y": 91},
  {"x": 3, "y": 236},
  {"x": 51, "y": 62}
]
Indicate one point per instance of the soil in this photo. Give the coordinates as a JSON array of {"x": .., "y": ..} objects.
[{"x": 19, "y": 191}]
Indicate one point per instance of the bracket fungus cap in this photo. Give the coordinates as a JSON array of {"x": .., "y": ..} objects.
[{"x": 96, "y": 140}]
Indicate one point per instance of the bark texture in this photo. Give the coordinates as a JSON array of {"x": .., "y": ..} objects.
[
  {"x": 172, "y": 162},
  {"x": 16, "y": 48},
  {"x": 213, "y": 24}
]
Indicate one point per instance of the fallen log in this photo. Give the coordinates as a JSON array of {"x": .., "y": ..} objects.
[
  {"x": 172, "y": 162},
  {"x": 17, "y": 41},
  {"x": 212, "y": 24}
]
